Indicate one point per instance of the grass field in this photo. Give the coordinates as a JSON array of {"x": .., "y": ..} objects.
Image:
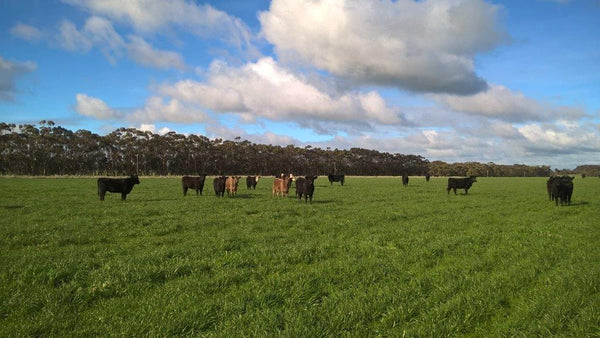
[{"x": 371, "y": 258}]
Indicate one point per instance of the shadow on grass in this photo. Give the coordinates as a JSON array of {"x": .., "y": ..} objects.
[
  {"x": 9, "y": 207},
  {"x": 574, "y": 204},
  {"x": 317, "y": 201}
]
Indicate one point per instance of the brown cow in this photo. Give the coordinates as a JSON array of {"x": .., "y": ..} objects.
[
  {"x": 282, "y": 186},
  {"x": 231, "y": 185}
]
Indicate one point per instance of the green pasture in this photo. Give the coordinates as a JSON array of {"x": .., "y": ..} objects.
[{"x": 371, "y": 258}]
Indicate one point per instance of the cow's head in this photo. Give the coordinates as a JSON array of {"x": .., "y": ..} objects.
[
  {"x": 135, "y": 179},
  {"x": 473, "y": 178}
]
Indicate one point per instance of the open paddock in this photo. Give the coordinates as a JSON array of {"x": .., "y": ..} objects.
[{"x": 368, "y": 258}]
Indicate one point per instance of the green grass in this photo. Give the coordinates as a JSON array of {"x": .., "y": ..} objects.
[{"x": 370, "y": 258}]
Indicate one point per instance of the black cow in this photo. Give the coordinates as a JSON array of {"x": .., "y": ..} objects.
[
  {"x": 550, "y": 183},
  {"x": 460, "y": 183},
  {"x": 193, "y": 182},
  {"x": 305, "y": 186},
  {"x": 251, "y": 182},
  {"x": 336, "y": 178},
  {"x": 405, "y": 180},
  {"x": 219, "y": 185},
  {"x": 122, "y": 185},
  {"x": 427, "y": 177},
  {"x": 561, "y": 189}
]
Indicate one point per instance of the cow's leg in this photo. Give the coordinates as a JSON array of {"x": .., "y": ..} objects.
[
  {"x": 101, "y": 194},
  {"x": 123, "y": 196},
  {"x": 454, "y": 191},
  {"x": 466, "y": 191},
  {"x": 185, "y": 191},
  {"x": 448, "y": 190}
]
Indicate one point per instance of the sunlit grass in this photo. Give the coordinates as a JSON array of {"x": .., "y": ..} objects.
[{"x": 368, "y": 258}]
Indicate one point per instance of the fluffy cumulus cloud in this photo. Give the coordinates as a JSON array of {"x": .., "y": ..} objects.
[
  {"x": 561, "y": 137},
  {"x": 149, "y": 16},
  {"x": 499, "y": 102},
  {"x": 154, "y": 109},
  {"x": 422, "y": 46},
  {"x": 265, "y": 89},
  {"x": 153, "y": 129},
  {"x": 10, "y": 71}
]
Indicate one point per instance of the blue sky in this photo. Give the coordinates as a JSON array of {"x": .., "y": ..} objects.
[{"x": 454, "y": 80}]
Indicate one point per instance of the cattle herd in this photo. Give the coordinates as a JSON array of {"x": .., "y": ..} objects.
[{"x": 559, "y": 188}]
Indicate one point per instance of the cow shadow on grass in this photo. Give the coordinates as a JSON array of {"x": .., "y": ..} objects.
[
  {"x": 574, "y": 204},
  {"x": 242, "y": 196},
  {"x": 317, "y": 201},
  {"x": 10, "y": 207}
]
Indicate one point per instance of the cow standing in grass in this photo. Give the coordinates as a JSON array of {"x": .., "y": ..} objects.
[
  {"x": 219, "y": 185},
  {"x": 251, "y": 182},
  {"x": 550, "y": 186},
  {"x": 116, "y": 185},
  {"x": 562, "y": 189},
  {"x": 336, "y": 178},
  {"x": 405, "y": 180},
  {"x": 281, "y": 186},
  {"x": 460, "y": 183},
  {"x": 305, "y": 186},
  {"x": 231, "y": 185},
  {"x": 193, "y": 182}
]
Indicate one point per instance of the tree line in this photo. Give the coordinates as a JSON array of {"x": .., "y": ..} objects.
[{"x": 49, "y": 149}]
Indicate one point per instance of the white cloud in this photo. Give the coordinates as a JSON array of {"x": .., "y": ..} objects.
[
  {"x": 152, "y": 128},
  {"x": 96, "y": 32},
  {"x": 70, "y": 38},
  {"x": 561, "y": 137},
  {"x": 502, "y": 103},
  {"x": 423, "y": 46},
  {"x": 143, "y": 53},
  {"x": 154, "y": 109},
  {"x": 264, "y": 89},
  {"x": 96, "y": 108},
  {"x": 154, "y": 16},
  {"x": 9, "y": 73},
  {"x": 26, "y": 32},
  {"x": 100, "y": 33}
]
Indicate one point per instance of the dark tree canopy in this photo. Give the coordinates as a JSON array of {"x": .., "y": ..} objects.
[{"x": 49, "y": 149}]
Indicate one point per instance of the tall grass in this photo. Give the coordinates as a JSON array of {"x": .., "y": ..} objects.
[{"x": 369, "y": 258}]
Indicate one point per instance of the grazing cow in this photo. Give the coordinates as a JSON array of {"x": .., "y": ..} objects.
[
  {"x": 193, "y": 182},
  {"x": 251, "y": 182},
  {"x": 231, "y": 185},
  {"x": 460, "y": 183},
  {"x": 427, "y": 177},
  {"x": 219, "y": 185},
  {"x": 281, "y": 186},
  {"x": 562, "y": 189},
  {"x": 122, "y": 185},
  {"x": 405, "y": 180},
  {"x": 305, "y": 186},
  {"x": 336, "y": 178}
]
